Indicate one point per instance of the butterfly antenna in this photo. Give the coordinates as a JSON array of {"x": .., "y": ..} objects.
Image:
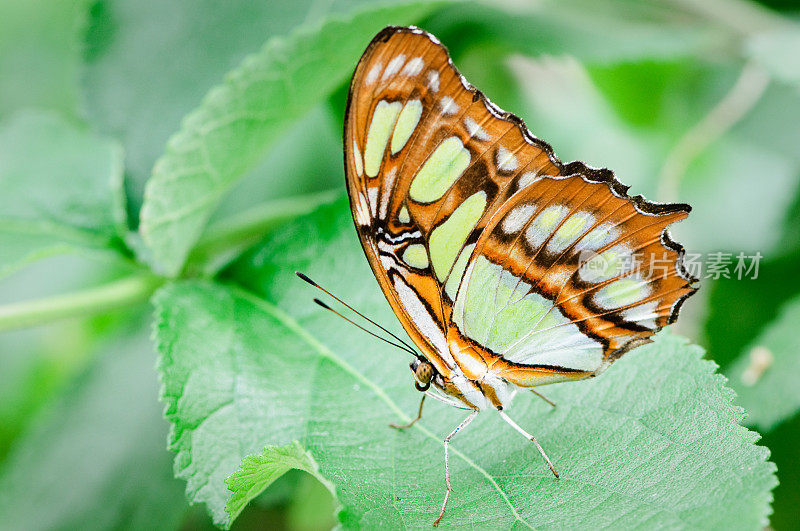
[
  {"x": 408, "y": 347},
  {"x": 373, "y": 334}
]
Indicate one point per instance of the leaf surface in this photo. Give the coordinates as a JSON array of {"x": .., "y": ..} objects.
[
  {"x": 773, "y": 50},
  {"x": 40, "y": 55},
  {"x": 139, "y": 94},
  {"x": 257, "y": 472},
  {"x": 594, "y": 31},
  {"x": 653, "y": 442},
  {"x": 61, "y": 189},
  {"x": 228, "y": 133},
  {"x": 765, "y": 376},
  {"x": 96, "y": 458}
]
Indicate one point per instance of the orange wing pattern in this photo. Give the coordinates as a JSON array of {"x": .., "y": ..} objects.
[
  {"x": 481, "y": 239},
  {"x": 402, "y": 65},
  {"x": 604, "y": 272}
]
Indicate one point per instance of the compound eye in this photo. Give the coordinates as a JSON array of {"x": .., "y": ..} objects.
[{"x": 424, "y": 375}]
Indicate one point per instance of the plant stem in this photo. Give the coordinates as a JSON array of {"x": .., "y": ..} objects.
[
  {"x": 111, "y": 296},
  {"x": 226, "y": 240}
]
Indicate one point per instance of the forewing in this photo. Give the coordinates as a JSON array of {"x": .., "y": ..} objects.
[{"x": 428, "y": 160}]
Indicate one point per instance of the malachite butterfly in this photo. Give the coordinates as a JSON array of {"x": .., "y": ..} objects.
[{"x": 508, "y": 268}]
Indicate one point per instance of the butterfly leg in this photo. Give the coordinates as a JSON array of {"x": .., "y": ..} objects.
[
  {"x": 530, "y": 438},
  {"x": 540, "y": 395},
  {"x": 419, "y": 416},
  {"x": 447, "y": 462}
]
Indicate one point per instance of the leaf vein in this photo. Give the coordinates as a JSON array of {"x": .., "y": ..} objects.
[{"x": 324, "y": 351}]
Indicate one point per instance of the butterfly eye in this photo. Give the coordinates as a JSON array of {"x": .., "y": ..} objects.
[{"x": 424, "y": 375}]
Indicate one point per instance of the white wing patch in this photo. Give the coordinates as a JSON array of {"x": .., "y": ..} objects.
[
  {"x": 623, "y": 292},
  {"x": 473, "y": 395},
  {"x": 372, "y": 194},
  {"x": 362, "y": 211},
  {"x": 414, "y": 67},
  {"x": 544, "y": 225},
  {"x": 423, "y": 320},
  {"x": 433, "y": 80},
  {"x": 359, "y": 162},
  {"x": 569, "y": 231},
  {"x": 644, "y": 314},
  {"x": 529, "y": 177},
  {"x": 497, "y": 309},
  {"x": 598, "y": 237},
  {"x": 517, "y": 218},
  {"x": 606, "y": 265},
  {"x": 393, "y": 67},
  {"x": 449, "y": 106},
  {"x": 373, "y": 73},
  {"x": 475, "y": 130},
  {"x": 506, "y": 161},
  {"x": 388, "y": 190}
]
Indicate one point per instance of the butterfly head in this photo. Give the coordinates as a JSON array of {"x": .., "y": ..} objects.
[{"x": 423, "y": 373}]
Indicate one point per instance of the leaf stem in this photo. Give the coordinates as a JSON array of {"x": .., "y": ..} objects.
[
  {"x": 114, "y": 295},
  {"x": 226, "y": 240}
]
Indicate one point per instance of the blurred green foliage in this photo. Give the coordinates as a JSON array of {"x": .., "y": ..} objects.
[{"x": 689, "y": 100}]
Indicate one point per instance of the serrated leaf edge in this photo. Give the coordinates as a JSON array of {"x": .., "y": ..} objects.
[
  {"x": 707, "y": 367},
  {"x": 294, "y": 456}
]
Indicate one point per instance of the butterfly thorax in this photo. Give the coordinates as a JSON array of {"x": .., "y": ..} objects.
[{"x": 470, "y": 380}]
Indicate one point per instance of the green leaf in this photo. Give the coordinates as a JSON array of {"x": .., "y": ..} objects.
[
  {"x": 716, "y": 179},
  {"x": 772, "y": 124},
  {"x": 229, "y": 132},
  {"x": 653, "y": 442},
  {"x": 765, "y": 376},
  {"x": 40, "y": 55},
  {"x": 36, "y": 362},
  {"x": 226, "y": 240},
  {"x": 782, "y": 442},
  {"x": 593, "y": 31},
  {"x": 61, "y": 189},
  {"x": 257, "y": 472},
  {"x": 312, "y": 506},
  {"x": 136, "y": 92},
  {"x": 567, "y": 110},
  {"x": 96, "y": 458},
  {"x": 655, "y": 93},
  {"x": 287, "y": 170},
  {"x": 119, "y": 294},
  {"x": 740, "y": 309},
  {"x": 765, "y": 138}
]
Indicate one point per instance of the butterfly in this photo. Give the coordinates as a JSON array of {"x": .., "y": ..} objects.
[{"x": 507, "y": 268}]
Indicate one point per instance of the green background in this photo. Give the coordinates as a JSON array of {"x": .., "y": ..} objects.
[{"x": 111, "y": 185}]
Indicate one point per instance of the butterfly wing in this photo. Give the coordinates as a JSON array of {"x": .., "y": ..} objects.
[
  {"x": 569, "y": 274},
  {"x": 437, "y": 176},
  {"x": 420, "y": 151}
]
